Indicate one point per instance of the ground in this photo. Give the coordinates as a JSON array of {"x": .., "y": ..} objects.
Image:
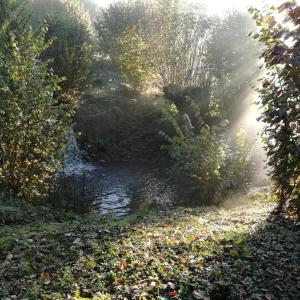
[{"x": 245, "y": 252}]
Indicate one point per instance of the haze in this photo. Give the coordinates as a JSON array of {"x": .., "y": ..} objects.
[{"x": 218, "y": 6}]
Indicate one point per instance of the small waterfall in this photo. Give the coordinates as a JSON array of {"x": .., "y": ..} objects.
[{"x": 72, "y": 161}]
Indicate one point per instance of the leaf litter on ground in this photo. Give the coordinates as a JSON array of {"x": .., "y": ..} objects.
[{"x": 246, "y": 252}]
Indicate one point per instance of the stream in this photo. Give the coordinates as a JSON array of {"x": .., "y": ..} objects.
[{"x": 120, "y": 188}]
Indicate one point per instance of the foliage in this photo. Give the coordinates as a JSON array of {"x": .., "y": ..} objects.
[
  {"x": 205, "y": 155},
  {"x": 70, "y": 30},
  {"x": 91, "y": 7},
  {"x": 233, "y": 57},
  {"x": 14, "y": 212},
  {"x": 191, "y": 253},
  {"x": 118, "y": 125},
  {"x": 32, "y": 124},
  {"x": 129, "y": 57},
  {"x": 176, "y": 35},
  {"x": 239, "y": 167},
  {"x": 179, "y": 33},
  {"x": 280, "y": 96},
  {"x": 186, "y": 48},
  {"x": 115, "y": 20},
  {"x": 112, "y": 23}
]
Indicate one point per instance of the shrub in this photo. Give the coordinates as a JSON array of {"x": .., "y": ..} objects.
[
  {"x": 134, "y": 66},
  {"x": 32, "y": 122},
  {"x": 70, "y": 30},
  {"x": 213, "y": 163},
  {"x": 279, "y": 97}
]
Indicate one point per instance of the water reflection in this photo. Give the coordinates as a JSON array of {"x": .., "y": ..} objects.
[
  {"x": 118, "y": 188},
  {"x": 123, "y": 188}
]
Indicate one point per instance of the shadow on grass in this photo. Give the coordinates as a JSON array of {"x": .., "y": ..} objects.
[
  {"x": 260, "y": 265},
  {"x": 180, "y": 254}
]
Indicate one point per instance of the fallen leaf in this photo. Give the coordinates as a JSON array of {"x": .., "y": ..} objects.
[
  {"x": 90, "y": 264},
  {"x": 172, "y": 294},
  {"x": 120, "y": 281},
  {"x": 45, "y": 278},
  {"x": 123, "y": 264}
]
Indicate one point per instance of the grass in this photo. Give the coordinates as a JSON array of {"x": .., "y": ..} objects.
[{"x": 245, "y": 252}]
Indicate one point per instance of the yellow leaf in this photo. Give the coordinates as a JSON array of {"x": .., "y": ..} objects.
[
  {"x": 90, "y": 264},
  {"x": 45, "y": 277},
  {"x": 77, "y": 294},
  {"x": 123, "y": 265}
]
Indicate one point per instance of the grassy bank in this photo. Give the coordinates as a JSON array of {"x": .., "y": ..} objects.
[
  {"x": 120, "y": 125},
  {"x": 244, "y": 252}
]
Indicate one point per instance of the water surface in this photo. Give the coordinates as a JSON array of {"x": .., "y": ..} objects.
[
  {"x": 122, "y": 188},
  {"x": 119, "y": 188}
]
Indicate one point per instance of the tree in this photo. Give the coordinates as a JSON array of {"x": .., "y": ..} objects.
[
  {"x": 233, "y": 57},
  {"x": 91, "y": 7},
  {"x": 280, "y": 97},
  {"x": 176, "y": 34},
  {"x": 179, "y": 35},
  {"x": 32, "y": 124},
  {"x": 113, "y": 21},
  {"x": 71, "y": 35},
  {"x": 130, "y": 59}
]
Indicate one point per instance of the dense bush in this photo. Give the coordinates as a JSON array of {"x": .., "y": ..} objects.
[
  {"x": 187, "y": 47},
  {"x": 214, "y": 164},
  {"x": 71, "y": 35},
  {"x": 280, "y": 96},
  {"x": 176, "y": 35},
  {"x": 32, "y": 123},
  {"x": 135, "y": 68}
]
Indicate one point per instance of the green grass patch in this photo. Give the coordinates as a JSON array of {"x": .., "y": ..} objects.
[{"x": 207, "y": 253}]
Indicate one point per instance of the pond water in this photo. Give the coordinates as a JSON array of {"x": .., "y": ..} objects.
[{"x": 120, "y": 188}]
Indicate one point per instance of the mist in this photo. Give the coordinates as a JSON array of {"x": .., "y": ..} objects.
[{"x": 149, "y": 149}]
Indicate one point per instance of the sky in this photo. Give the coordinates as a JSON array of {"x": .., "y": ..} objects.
[{"x": 219, "y": 6}]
